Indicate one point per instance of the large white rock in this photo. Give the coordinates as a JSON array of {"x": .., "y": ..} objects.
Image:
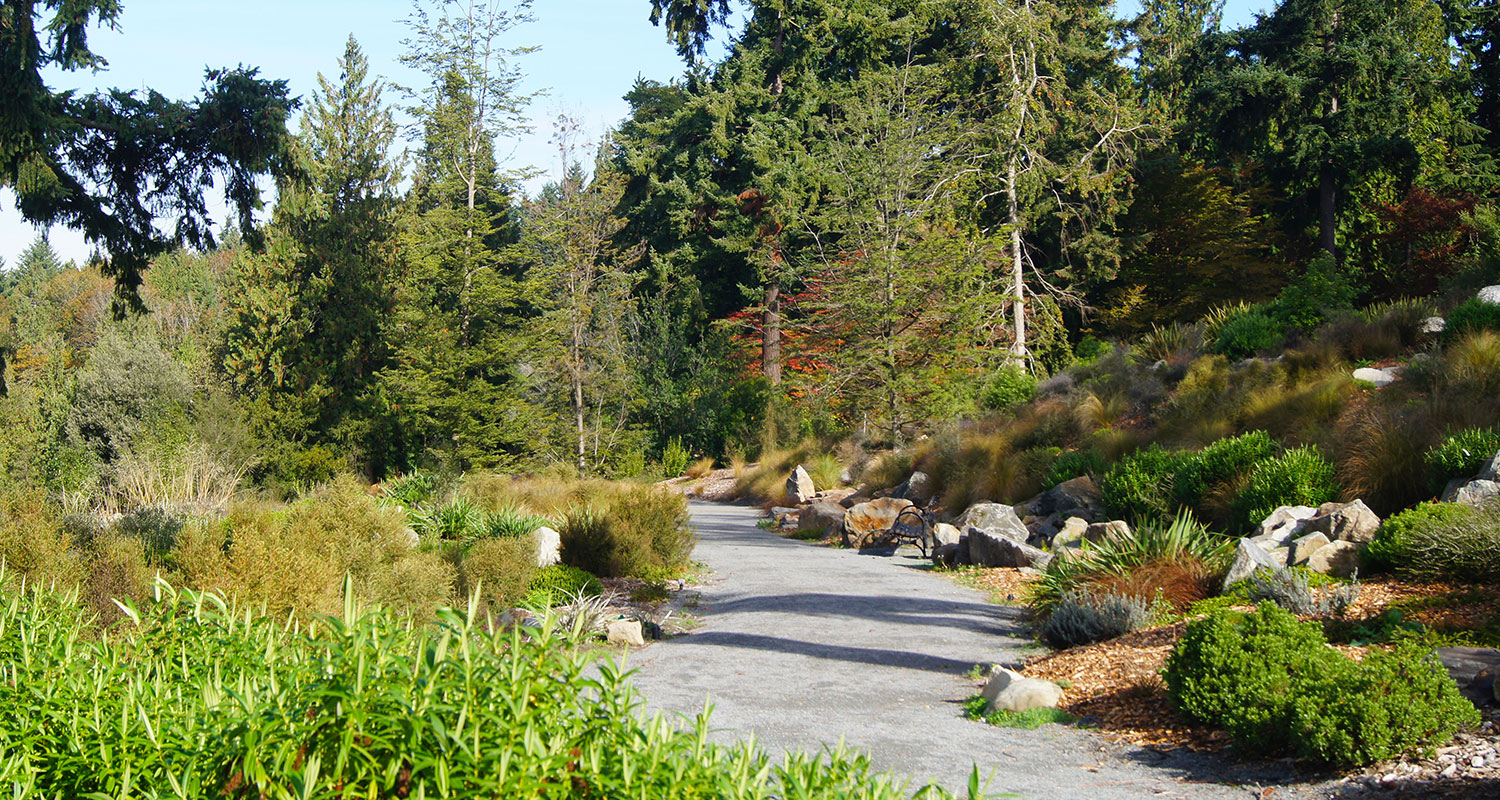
[
  {"x": 1434, "y": 325},
  {"x": 1348, "y": 522},
  {"x": 1473, "y": 493},
  {"x": 918, "y": 488},
  {"x": 994, "y": 518},
  {"x": 1248, "y": 557},
  {"x": 1379, "y": 377},
  {"x": 548, "y": 546},
  {"x": 1285, "y": 524},
  {"x": 799, "y": 487},
  {"x": 1008, "y": 690},
  {"x": 626, "y": 632},
  {"x": 1489, "y": 294},
  {"x": 1339, "y": 559}
]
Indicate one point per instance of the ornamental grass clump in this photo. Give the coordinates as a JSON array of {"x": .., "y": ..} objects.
[
  {"x": 1275, "y": 685},
  {"x": 195, "y": 697}
]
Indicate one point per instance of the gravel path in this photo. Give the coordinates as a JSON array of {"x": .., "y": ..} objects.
[{"x": 804, "y": 645}]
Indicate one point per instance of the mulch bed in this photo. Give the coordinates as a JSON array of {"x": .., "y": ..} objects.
[{"x": 1116, "y": 685}]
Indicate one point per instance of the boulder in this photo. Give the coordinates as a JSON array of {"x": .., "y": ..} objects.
[
  {"x": 1073, "y": 530},
  {"x": 1008, "y": 690},
  {"x": 832, "y": 496},
  {"x": 951, "y": 555},
  {"x": 990, "y": 549},
  {"x": 548, "y": 546},
  {"x": 1489, "y": 294},
  {"x": 625, "y": 632},
  {"x": 780, "y": 511},
  {"x": 1434, "y": 325},
  {"x": 993, "y": 518},
  {"x": 917, "y": 488},
  {"x": 1379, "y": 377},
  {"x": 1077, "y": 497},
  {"x": 1116, "y": 530},
  {"x": 1474, "y": 670},
  {"x": 827, "y": 517},
  {"x": 855, "y": 497},
  {"x": 1303, "y": 547},
  {"x": 1490, "y": 471},
  {"x": 1472, "y": 493},
  {"x": 1248, "y": 557},
  {"x": 943, "y": 533},
  {"x": 1339, "y": 559},
  {"x": 1285, "y": 524},
  {"x": 864, "y": 524},
  {"x": 1345, "y": 522},
  {"x": 799, "y": 487}
]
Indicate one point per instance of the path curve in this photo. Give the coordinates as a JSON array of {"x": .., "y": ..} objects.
[{"x": 804, "y": 645}]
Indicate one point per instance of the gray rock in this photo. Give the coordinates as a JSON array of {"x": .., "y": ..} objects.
[
  {"x": 943, "y": 533},
  {"x": 1339, "y": 559},
  {"x": 1010, "y": 691},
  {"x": 1474, "y": 670},
  {"x": 1072, "y": 497},
  {"x": 1346, "y": 522},
  {"x": 951, "y": 555},
  {"x": 1490, "y": 471},
  {"x": 1117, "y": 530},
  {"x": 917, "y": 488},
  {"x": 828, "y": 517},
  {"x": 799, "y": 487},
  {"x": 1248, "y": 557},
  {"x": 855, "y": 497},
  {"x": 1072, "y": 531},
  {"x": 548, "y": 546},
  {"x": 1473, "y": 493},
  {"x": 1304, "y": 546},
  {"x": 625, "y": 632},
  {"x": 781, "y": 511},
  {"x": 866, "y": 523},
  {"x": 993, "y": 518},
  {"x": 1489, "y": 294},
  {"x": 1285, "y": 523},
  {"x": 1434, "y": 325},
  {"x": 990, "y": 549},
  {"x": 1379, "y": 377}
]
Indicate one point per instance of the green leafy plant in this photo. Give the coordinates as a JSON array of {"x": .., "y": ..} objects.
[
  {"x": 1072, "y": 464},
  {"x": 1139, "y": 486},
  {"x": 1273, "y": 683},
  {"x": 1460, "y": 455},
  {"x": 1392, "y": 546},
  {"x": 410, "y": 490},
  {"x": 1246, "y": 335},
  {"x": 675, "y": 457},
  {"x": 1298, "y": 477},
  {"x": 1473, "y": 315},
  {"x": 1218, "y": 464},
  {"x": 558, "y": 583}
]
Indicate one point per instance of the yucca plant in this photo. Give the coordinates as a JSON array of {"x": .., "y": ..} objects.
[{"x": 454, "y": 521}]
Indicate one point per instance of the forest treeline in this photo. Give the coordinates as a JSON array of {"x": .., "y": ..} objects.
[{"x": 864, "y": 219}]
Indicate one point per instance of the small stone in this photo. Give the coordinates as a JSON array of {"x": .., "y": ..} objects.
[
  {"x": 1114, "y": 530},
  {"x": 625, "y": 632},
  {"x": 1378, "y": 377}
]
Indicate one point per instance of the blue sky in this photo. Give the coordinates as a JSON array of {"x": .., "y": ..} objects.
[{"x": 591, "y": 52}]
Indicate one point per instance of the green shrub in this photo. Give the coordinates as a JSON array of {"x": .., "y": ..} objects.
[
  {"x": 1273, "y": 683},
  {"x": 1139, "y": 486},
  {"x": 1460, "y": 455},
  {"x": 1392, "y": 546},
  {"x": 675, "y": 458},
  {"x": 560, "y": 583},
  {"x": 643, "y": 531},
  {"x": 1218, "y": 464},
  {"x": 500, "y": 570},
  {"x": 1074, "y": 463},
  {"x": 1007, "y": 388},
  {"x": 1463, "y": 547},
  {"x": 457, "y": 520},
  {"x": 1474, "y": 315},
  {"x": 1089, "y": 349},
  {"x": 1321, "y": 292},
  {"x": 1086, "y": 617},
  {"x": 1246, "y": 335},
  {"x": 1299, "y": 477},
  {"x": 411, "y": 490}
]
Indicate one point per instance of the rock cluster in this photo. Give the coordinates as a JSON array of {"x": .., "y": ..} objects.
[
  {"x": 1478, "y": 489},
  {"x": 1326, "y": 539}
]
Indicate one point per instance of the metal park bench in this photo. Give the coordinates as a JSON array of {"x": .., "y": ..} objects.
[{"x": 914, "y": 526}]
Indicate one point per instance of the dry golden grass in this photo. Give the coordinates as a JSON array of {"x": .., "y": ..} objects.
[{"x": 700, "y": 468}]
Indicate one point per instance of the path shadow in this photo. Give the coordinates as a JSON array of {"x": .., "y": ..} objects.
[
  {"x": 1191, "y": 766},
  {"x": 926, "y": 612},
  {"x": 862, "y": 655}
]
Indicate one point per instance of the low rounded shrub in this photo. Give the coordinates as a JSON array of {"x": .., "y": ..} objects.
[
  {"x": 1460, "y": 455},
  {"x": 1299, "y": 477},
  {"x": 1274, "y": 684},
  {"x": 1474, "y": 315},
  {"x": 1465, "y": 546},
  {"x": 1086, "y": 617},
  {"x": 1007, "y": 388},
  {"x": 1392, "y": 544},
  {"x": 1219, "y": 463},
  {"x": 1246, "y": 335},
  {"x": 1139, "y": 486},
  {"x": 500, "y": 569},
  {"x": 559, "y": 583}
]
